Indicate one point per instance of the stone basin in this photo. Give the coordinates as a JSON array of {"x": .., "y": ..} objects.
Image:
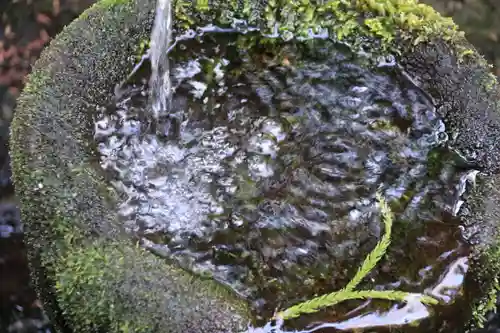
[{"x": 92, "y": 276}]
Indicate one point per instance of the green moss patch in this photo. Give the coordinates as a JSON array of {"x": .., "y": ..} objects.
[
  {"x": 397, "y": 24},
  {"x": 123, "y": 287}
]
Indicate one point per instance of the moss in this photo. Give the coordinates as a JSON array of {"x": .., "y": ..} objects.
[
  {"x": 490, "y": 82},
  {"x": 141, "y": 49},
  {"x": 489, "y": 260},
  {"x": 107, "y": 3},
  {"x": 103, "y": 5},
  {"x": 72, "y": 235},
  {"x": 486, "y": 305},
  {"x": 398, "y": 24},
  {"x": 384, "y": 125},
  {"x": 68, "y": 208},
  {"x": 482, "y": 283},
  {"x": 95, "y": 285}
]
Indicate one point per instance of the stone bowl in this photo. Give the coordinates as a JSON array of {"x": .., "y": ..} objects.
[{"x": 91, "y": 275}]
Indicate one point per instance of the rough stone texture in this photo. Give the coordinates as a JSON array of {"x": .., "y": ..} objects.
[
  {"x": 77, "y": 252},
  {"x": 479, "y": 20},
  {"x": 26, "y": 26},
  {"x": 468, "y": 99},
  {"x": 465, "y": 97}
]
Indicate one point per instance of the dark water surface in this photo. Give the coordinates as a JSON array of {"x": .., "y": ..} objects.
[{"x": 265, "y": 174}]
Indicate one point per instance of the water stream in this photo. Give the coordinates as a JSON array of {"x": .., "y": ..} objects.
[{"x": 161, "y": 39}]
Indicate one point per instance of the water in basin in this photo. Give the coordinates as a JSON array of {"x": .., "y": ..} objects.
[{"x": 264, "y": 175}]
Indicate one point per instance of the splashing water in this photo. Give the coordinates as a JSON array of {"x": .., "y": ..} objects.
[
  {"x": 161, "y": 39},
  {"x": 268, "y": 184}
]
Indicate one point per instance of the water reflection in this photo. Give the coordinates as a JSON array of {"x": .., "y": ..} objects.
[
  {"x": 451, "y": 282},
  {"x": 267, "y": 178}
]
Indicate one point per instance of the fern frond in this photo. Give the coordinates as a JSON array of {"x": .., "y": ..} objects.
[
  {"x": 348, "y": 292},
  {"x": 336, "y": 297},
  {"x": 380, "y": 249}
]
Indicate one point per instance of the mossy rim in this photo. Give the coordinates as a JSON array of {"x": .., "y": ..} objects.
[{"x": 66, "y": 202}]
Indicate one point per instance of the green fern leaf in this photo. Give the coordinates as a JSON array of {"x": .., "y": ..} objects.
[
  {"x": 380, "y": 249},
  {"x": 348, "y": 292},
  {"x": 318, "y": 303}
]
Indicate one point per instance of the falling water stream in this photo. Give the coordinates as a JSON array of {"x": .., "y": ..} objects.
[
  {"x": 268, "y": 182},
  {"x": 161, "y": 39}
]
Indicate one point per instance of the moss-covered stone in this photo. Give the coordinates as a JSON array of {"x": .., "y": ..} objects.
[
  {"x": 478, "y": 18},
  {"x": 98, "y": 283},
  {"x": 397, "y": 24},
  {"x": 89, "y": 275}
]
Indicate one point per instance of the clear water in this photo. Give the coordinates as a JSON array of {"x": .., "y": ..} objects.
[
  {"x": 266, "y": 172},
  {"x": 161, "y": 39}
]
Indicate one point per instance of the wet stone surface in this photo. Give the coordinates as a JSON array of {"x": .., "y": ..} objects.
[
  {"x": 264, "y": 175},
  {"x": 478, "y": 19}
]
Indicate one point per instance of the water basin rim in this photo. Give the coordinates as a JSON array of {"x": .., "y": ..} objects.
[{"x": 60, "y": 189}]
